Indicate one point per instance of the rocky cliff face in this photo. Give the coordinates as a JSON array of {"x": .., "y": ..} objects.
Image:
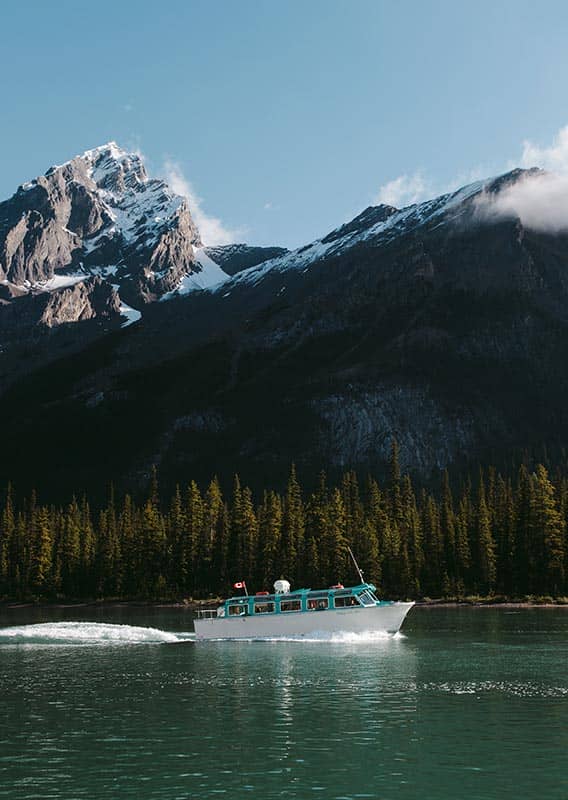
[
  {"x": 90, "y": 299},
  {"x": 101, "y": 214}
]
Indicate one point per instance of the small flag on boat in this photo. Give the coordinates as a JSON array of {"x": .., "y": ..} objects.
[{"x": 239, "y": 585}]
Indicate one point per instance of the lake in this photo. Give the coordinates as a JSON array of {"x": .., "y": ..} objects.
[{"x": 468, "y": 703}]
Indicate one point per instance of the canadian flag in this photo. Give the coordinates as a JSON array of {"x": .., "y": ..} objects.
[{"x": 239, "y": 585}]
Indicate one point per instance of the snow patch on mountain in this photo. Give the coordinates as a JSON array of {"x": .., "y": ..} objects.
[
  {"x": 209, "y": 276},
  {"x": 448, "y": 208},
  {"x": 131, "y": 315},
  {"x": 58, "y": 281}
]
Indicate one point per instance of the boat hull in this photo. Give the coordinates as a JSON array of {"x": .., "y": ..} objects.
[{"x": 384, "y": 618}]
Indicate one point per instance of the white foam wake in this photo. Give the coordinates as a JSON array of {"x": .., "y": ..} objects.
[
  {"x": 337, "y": 637},
  {"x": 87, "y": 633}
]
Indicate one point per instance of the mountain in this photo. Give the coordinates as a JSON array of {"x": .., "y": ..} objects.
[
  {"x": 94, "y": 241},
  {"x": 443, "y": 324}
]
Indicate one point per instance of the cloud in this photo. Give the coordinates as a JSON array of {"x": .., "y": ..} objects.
[
  {"x": 553, "y": 158},
  {"x": 403, "y": 191},
  {"x": 539, "y": 200},
  {"x": 212, "y": 230}
]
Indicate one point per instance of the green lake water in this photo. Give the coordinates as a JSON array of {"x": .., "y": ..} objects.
[{"x": 467, "y": 703}]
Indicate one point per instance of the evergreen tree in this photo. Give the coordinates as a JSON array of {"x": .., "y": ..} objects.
[
  {"x": 524, "y": 504},
  {"x": 7, "y": 533},
  {"x": 71, "y": 551},
  {"x": 270, "y": 533},
  {"x": 293, "y": 528},
  {"x": 549, "y": 526},
  {"x": 337, "y": 541},
  {"x": 42, "y": 552},
  {"x": 485, "y": 559}
]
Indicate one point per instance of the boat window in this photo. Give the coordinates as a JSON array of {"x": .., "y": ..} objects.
[
  {"x": 237, "y": 610},
  {"x": 346, "y": 601},
  {"x": 291, "y": 605},
  {"x": 366, "y": 599},
  {"x": 317, "y": 604},
  {"x": 263, "y": 608}
]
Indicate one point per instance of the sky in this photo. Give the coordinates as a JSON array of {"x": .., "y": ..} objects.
[{"x": 282, "y": 120}]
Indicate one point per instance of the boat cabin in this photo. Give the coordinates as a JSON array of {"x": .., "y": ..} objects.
[{"x": 301, "y": 600}]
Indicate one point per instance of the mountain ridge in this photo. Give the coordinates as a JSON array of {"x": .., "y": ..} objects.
[{"x": 439, "y": 324}]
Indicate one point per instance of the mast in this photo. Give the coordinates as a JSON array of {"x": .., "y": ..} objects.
[{"x": 356, "y": 565}]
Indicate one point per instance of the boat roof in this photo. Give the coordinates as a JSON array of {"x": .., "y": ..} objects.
[{"x": 346, "y": 590}]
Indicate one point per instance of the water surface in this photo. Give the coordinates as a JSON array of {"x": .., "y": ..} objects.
[{"x": 468, "y": 703}]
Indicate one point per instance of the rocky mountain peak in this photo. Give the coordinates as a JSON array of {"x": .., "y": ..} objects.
[
  {"x": 99, "y": 213},
  {"x": 113, "y": 169}
]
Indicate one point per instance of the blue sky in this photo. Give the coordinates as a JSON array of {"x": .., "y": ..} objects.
[{"x": 286, "y": 118}]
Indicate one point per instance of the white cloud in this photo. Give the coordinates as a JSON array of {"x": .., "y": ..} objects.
[
  {"x": 539, "y": 200},
  {"x": 553, "y": 158},
  {"x": 212, "y": 230},
  {"x": 403, "y": 191}
]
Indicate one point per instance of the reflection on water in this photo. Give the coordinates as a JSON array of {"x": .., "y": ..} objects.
[{"x": 468, "y": 703}]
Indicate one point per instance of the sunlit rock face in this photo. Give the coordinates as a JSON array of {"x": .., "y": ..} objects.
[{"x": 101, "y": 214}]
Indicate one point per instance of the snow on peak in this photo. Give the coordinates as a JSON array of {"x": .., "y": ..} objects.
[
  {"x": 209, "y": 275},
  {"x": 110, "y": 148},
  {"x": 379, "y": 224}
]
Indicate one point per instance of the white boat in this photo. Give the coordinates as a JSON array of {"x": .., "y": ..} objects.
[{"x": 302, "y": 614}]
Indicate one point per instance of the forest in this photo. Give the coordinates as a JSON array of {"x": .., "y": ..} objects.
[{"x": 493, "y": 536}]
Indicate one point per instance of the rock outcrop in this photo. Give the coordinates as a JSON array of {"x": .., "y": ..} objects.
[{"x": 102, "y": 214}]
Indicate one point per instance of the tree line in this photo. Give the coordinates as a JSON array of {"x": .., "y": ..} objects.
[{"x": 492, "y": 536}]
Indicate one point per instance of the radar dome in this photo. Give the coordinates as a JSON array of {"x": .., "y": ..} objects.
[{"x": 281, "y": 587}]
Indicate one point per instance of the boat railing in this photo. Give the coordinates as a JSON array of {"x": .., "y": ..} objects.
[{"x": 207, "y": 613}]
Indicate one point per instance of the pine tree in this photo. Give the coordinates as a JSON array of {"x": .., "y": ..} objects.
[
  {"x": 433, "y": 547},
  {"x": 293, "y": 528},
  {"x": 412, "y": 564},
  {"x": 195, "y": 514},
  {"x": 315, "y": 564},
  {"x": 153, "y": 539},
  {"x": 524, "y": 504},
  {"x": 88, "y": 550},
  {"x": 71, "y": 551},
  {"x": 337, "y": 541},
  {"x": 549, "y": 525},
  {"x": 505, "y": 535},
  {"x": 210, "y": 530},
  {"x": 42, "y": 552},
  {"x": 7, "y": 532},
  {"x": 485, "y": 556},
  {"x": 378, "y": 518},
  {"x": 128, "y": 536},
  {"x": 177, "y": 542},
  {"x": 464, "y": 535},
  {"x": 270, "y": 533},
  {"x": 448, "y": 529}
]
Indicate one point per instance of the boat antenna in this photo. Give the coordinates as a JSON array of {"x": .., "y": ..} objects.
[{"x": 356, "y": 565}]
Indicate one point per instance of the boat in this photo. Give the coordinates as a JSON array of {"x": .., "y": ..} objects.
[{"x": 303, "y": 613}]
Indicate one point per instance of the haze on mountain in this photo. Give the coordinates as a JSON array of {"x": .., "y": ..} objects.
[{"x": 128, "y": 342}]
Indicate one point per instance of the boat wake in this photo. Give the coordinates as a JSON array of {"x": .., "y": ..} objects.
[
  {"x": 87, "y": 633},
  {"x": 337, "y": 637}
]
